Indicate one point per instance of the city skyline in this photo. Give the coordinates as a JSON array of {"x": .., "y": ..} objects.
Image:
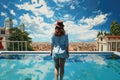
[{"x": 83, "y": 19}]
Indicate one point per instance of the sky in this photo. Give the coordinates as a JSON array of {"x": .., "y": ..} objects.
[{"x": 83, "y": 19}]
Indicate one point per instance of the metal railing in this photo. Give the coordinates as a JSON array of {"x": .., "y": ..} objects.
[{"x": 14, "y": 45}]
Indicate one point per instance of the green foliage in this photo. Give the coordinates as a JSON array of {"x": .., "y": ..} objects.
[
  {"x": 115, "y": 28},
  {"x": 18, "y": 35},
  {"x": 99, "y": 33}
]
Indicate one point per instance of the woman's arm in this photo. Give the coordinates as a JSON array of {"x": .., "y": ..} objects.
[
  {"x": 67, "y": 45},
  {"x": 67, "y": 50},
  {"x": 52, "y": 44}
]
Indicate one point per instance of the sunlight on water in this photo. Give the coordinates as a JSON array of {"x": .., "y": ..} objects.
[{"x": 96, "y": 58}]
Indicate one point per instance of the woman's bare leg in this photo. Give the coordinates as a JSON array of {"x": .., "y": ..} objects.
[
  {"x": 62, "y": 62},
  {"x": 56, "y": 61}
]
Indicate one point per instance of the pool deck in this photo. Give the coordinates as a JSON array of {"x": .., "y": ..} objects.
[{"x": 71, "y": 52}]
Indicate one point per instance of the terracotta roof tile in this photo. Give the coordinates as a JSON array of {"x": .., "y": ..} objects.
[{"x": 113, "y": 37}]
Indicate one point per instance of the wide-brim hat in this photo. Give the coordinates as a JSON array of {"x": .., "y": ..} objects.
[{"x": 59, "y": 24}]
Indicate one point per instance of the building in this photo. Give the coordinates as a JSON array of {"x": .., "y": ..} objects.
[
  {"x": 22, "y": 27},
  {"x": 108, "y": 43},
  {"x": 5, "y": 32}
]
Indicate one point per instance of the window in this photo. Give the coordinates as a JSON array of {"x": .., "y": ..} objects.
[
  {"x": 101, "y": 47},
  {"x": 101, "y": 39},
  {"x": 2, "y": 31}
]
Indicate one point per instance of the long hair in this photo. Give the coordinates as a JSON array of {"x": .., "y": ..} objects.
[{"x": 59, "y": 31}]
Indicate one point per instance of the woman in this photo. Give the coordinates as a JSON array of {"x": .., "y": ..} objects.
[{"x": 59, "y": 48}]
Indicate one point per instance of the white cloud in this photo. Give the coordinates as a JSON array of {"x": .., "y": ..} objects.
[
  {"x": 36, "y": 26},
  {"x": 28, "y": 30},
  {"x": 14, "y": 22},
  {"x": 4, "y": 6},
  {"x": 68, "y": 17},
  {"x": 72, "y": 7},
  {"x": 3, "y": 14},
  {"x": 83, "y": 31},
  {"x": 37, "y": 8},
  {"x": 91, "y": 22},
  {"x": 88, "y": 35},
  {"x": 98, "y": 11},
  {"x": 38, "y": 29},
  {"x": 41, "y": 30},
  {"x": 71, "y": 3},
  {"x": 12, "y": 12},
  {"x": 80, "y": 32},
  {"x": 61, "y": 1},
  {"x": 26, "y": 18}
]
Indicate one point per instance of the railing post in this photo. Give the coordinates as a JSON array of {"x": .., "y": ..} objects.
[
  {"x": 18, "y": 45},
  {"x": 116, "y": 45},
  {"x": 21, "y": 46},
  {"x": 13, "y": 46},
  {"x": 26, "y": 45}
]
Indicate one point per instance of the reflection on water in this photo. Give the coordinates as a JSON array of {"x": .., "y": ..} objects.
[{"x": 77, "y": 67}]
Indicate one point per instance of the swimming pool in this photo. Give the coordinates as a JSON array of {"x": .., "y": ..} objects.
[{"x": 79, "y": 66}]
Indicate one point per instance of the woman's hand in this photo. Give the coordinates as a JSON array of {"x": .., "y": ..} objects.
[
  {"x": 67, "y": 54},
  {"x": 67, "y": 50},
  {"x": 50, "y": 53},
  {"x": 51, "y": 50}
]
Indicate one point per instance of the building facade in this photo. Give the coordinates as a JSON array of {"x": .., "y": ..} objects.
[
  {"x": 108, "y": 43},
  {"x": 5, "y": 33}
]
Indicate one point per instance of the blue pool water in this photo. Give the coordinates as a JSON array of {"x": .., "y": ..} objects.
[{"x": 77, "y": 67}]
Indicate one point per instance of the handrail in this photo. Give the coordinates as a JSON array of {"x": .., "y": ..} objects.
[{"x": 47, "y": 52}]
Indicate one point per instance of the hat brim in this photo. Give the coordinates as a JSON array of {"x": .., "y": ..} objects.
[{"x": 59, "y": 26}]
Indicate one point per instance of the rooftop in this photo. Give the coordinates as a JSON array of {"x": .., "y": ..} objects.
[
  {"x": 21, "y": 24},
  {"x": 8, "y": 19},
  {"x": 113, "y": 37}
]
